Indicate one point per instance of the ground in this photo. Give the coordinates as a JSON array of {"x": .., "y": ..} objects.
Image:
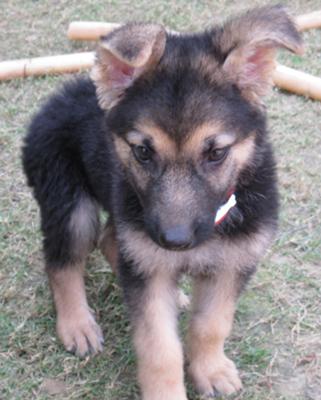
[{"x": 276, "y": 340}]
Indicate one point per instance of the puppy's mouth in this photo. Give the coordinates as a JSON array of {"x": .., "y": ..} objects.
[{"x": 182, "y": 247}]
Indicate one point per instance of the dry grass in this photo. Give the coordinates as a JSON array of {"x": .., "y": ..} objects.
[{"x": 277, "y": 335}]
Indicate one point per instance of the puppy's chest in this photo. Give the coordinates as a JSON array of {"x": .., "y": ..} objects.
[{"x": 237, "y": 254}]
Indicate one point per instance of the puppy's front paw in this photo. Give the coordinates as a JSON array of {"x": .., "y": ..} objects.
[
  {"x": 79, "y": 332},
  {"x": 211, "y": 374}
]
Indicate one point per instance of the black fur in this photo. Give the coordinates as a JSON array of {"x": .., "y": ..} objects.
[{"x": 66, "y": 157}]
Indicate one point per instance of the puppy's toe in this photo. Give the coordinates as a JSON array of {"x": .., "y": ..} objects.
[
  {"x": 227, "y": 381},
  {"x": 217, "y": 375},
  {"x": 80, "y": 333}
]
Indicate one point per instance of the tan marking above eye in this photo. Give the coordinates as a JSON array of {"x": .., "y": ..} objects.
[
  {"x": 135, "y": 138},
  {"x": 163, "y": 145},
  {"x": 243, "y": 151},
  {"x": 195, "y": 142},
  {"x": 224, "y": 140},
  {"x": 193, "y": 146}
]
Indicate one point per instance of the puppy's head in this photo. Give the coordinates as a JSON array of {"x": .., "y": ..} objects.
[{"x": 186, "y": 114}]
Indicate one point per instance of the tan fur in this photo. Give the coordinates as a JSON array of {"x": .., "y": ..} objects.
[
  {"x": 192, "y": 148},
  {"x": 235, "y": 254},
  {"x": 108, "y": 246},
  {"x": 135, "y": 138},
  {"x": 213, "y": 310},
  {"x": 123, "y": 150},
  {"x": 224, "y": 139},
  {"x": 162, "y": 143},
  {"x": 243, "y": 151},
  {"x": 239, "y": 156},
  {"x": 214, "y": 303},
  {"x": 83, "y": 226},
  {"x": 76, "y": 326},
  {"x": 159, "y": 351},
  {"x": 194, "y": 144},
  {"x": 127, "y": 158},
  {"x": 178, "y": 191}
]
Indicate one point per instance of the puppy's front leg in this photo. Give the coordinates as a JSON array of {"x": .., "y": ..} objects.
[
  {"x": 214, "y": 304},
  {"x": 153, "y": 308}
]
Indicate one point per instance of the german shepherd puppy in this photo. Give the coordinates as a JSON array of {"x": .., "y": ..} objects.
[{"x": 168, "y": 129}]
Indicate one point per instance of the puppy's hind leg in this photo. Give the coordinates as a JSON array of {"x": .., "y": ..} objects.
[
  {"x": 76, "y": 325},
  {"x": 108, "y": 245}
]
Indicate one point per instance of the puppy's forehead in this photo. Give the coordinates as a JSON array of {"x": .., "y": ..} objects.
[{"x": 196, "y": 140}]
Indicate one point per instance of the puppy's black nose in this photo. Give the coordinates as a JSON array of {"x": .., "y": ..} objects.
[{"x": 176, "y": 238}]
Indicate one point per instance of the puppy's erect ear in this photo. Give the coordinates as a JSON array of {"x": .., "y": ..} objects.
[
  {"x": 123, "y": 56},
  {"x": 249, "y": 43}
]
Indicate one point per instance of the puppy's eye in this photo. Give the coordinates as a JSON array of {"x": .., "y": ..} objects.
[
  {"x": 216, "y": 156},
  {"x": 143, "y": 154}
]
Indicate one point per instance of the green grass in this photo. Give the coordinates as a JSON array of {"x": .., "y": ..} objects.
[{"x": 276, "y": 340}]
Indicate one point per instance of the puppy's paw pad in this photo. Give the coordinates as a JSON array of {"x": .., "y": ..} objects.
[
  {"x": 80, "y": 333},
  {"x": 218, "y": 376}
]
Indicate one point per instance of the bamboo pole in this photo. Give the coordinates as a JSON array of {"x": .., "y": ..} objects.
[
  {"x": 297, "y": 82},
  {"x": 309, "y": 21},
  {"x": 59, "y": 64},
  {"x": 284, "y": 77},
  {"x": 86, "y": 30}
]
